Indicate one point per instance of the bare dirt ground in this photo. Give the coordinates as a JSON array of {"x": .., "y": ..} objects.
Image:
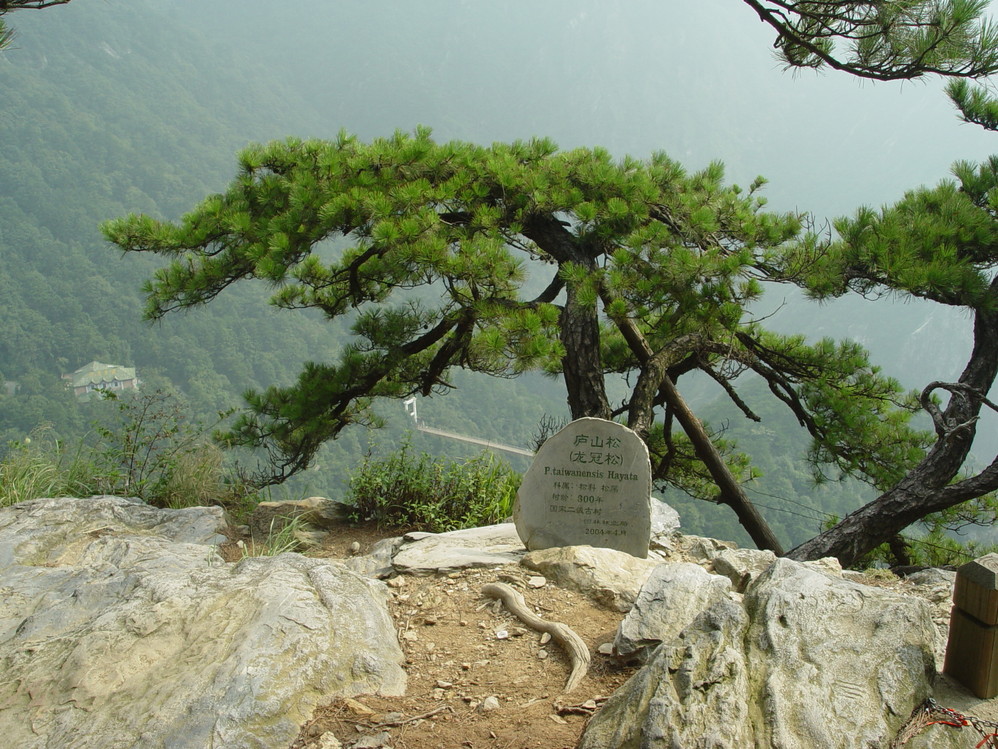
[{"x": 478, "y": 678}]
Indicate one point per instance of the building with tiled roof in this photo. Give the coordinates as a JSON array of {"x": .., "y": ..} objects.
[{"x": 99, "y": 376}]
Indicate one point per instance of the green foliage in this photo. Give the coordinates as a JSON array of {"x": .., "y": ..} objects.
[
  {"x": 654, "y": 263},
  {"x": 885, "y": 39},
  {"x": 976, "y": 104},
  {"x": 937, "y": 243},
  {"x": 96, "y": 135},
  {"x": 279, "y": 539},
  {"x": 150, "y": 449},
  {"x": 404, "y": 490}
]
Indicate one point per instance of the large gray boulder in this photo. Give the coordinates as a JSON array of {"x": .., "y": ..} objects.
[
  {"x": 807, "y": 660},
  {"x": 121, "y": 626},
  {"x": 672, "y": 597}
]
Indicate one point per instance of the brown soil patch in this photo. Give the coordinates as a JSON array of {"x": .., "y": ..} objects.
[{"x": 462, "y": 649}]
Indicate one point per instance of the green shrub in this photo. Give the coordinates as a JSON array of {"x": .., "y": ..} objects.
[{"x": 404, "y": 490}]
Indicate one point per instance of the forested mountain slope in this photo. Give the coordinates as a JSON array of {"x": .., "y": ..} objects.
[
  {"x": 111, "y": 108},
  {"x": 108, "y": 110}
]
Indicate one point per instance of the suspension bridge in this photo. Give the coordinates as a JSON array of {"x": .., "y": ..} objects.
[{"x": 410, "y": 409}]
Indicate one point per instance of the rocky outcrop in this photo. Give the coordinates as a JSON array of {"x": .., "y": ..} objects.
[
  {"x": 672, "y": 597},
  {"x": 807, "y": 659},
  {"x": 610, "y": 577},
  {"x": 426, "y": 553},
  {"x": 120, "y": 625}
]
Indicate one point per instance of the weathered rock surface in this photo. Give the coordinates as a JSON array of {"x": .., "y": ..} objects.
[
  {"x": 120, "y": 626},
  {"x": 682, "y": 548},
  {"x": 742, "y": 566},
  {"x": 936, "y": 586},
  {"x": 610, "y": 577},
  {"x": 426, "y": 553},
  {"x": 378, "y": 561},
  {"x": 664, "y": 522},
  {"x": 809, "y": 660},
  {"x": 672, "y": 597}
]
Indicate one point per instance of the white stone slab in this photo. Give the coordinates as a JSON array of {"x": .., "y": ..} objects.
[
  {"x": 589, "y": 484},
  {"x": 492, "y": 545}
]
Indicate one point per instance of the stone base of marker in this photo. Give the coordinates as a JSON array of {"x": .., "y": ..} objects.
[
  {"x": 588, "y": 485},
  {"x": 972, "y": 649}
]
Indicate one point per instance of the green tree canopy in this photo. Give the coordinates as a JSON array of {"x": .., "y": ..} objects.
[{"x": 518, "y": 257}]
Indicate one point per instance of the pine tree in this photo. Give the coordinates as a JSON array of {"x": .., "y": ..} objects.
[
  {"x": 939, "y": 244},
  {"x": 935, "y": 244},
  {"x": 636, "y": 269},
  {"x": 884, "y": 39}
]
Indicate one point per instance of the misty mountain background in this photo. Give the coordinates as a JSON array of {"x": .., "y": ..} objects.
[{"x": 119, "y": 106}]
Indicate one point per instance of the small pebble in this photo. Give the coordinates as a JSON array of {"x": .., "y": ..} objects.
[
  {"x": 537, "y": 581},
  {"x": 542, "y": 654},
  {"x": 375, "y": 741},
  {"x": 489, "y": 704}
]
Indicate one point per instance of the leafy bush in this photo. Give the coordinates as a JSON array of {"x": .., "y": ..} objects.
[{"x": 404, "y": 490}]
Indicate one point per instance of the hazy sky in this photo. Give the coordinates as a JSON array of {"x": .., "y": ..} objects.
[{"x": 695, "y": 78}]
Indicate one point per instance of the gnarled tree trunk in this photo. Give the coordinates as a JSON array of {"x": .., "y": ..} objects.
[{"x": 926, "y": 488}]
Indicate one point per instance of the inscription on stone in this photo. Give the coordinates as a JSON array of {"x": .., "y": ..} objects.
[{"x": 589, "y": 484}]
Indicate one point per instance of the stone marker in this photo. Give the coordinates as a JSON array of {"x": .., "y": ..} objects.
[
  {"x": 972, "y": 649},
  {"x": 589, "y": 484}
]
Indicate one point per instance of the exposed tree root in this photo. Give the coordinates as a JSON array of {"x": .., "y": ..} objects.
[{"x": 578, "y": 651}]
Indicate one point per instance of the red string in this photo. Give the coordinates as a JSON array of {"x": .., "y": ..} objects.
[{"x": 961, "y": 724}]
